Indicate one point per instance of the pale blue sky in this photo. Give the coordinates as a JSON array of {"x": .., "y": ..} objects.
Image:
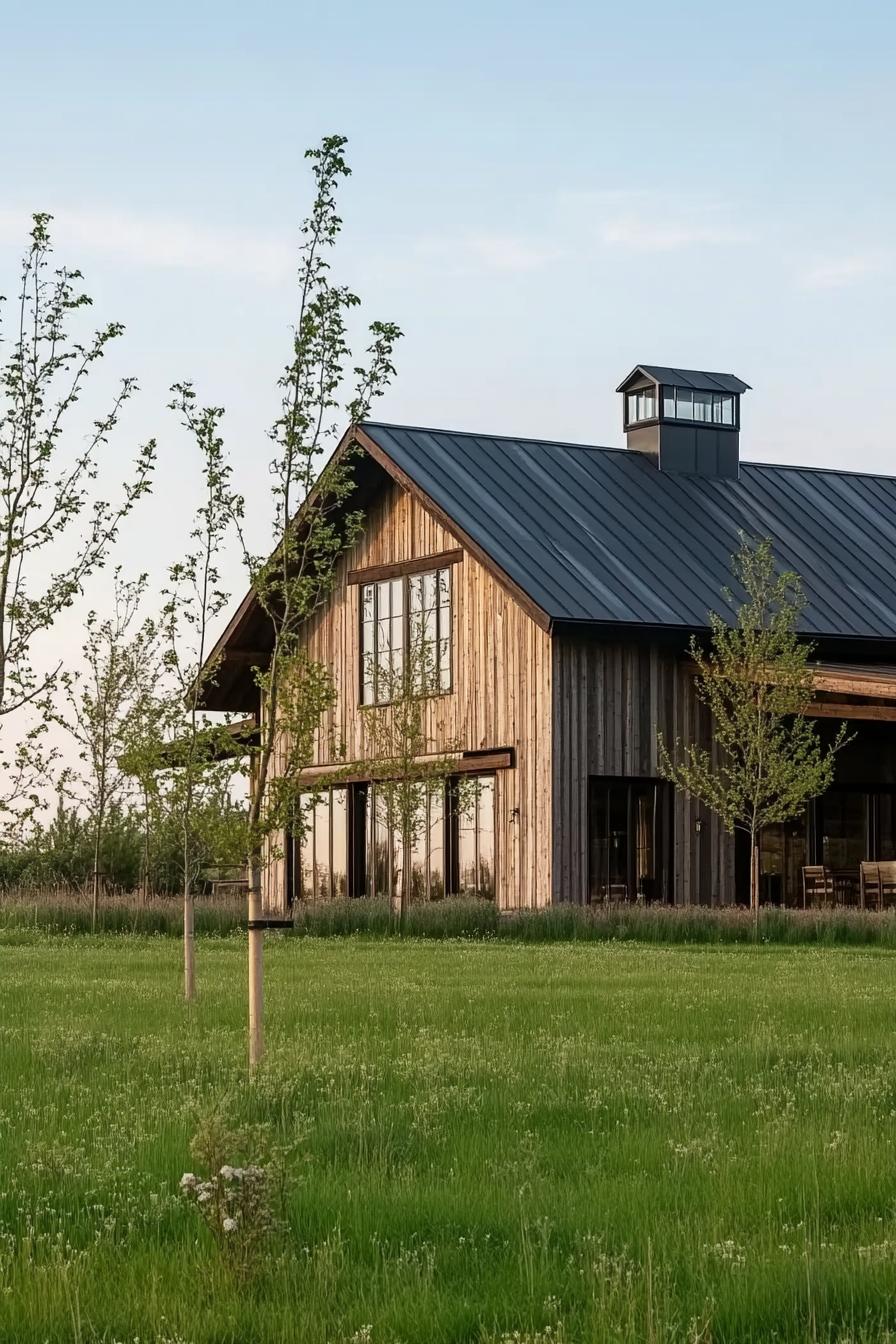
[{"x": 542, "y": 196}]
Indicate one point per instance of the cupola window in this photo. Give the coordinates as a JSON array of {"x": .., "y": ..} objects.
[
  {"x": 641, "y": 405},
  {"x": 707, "y": 408}
]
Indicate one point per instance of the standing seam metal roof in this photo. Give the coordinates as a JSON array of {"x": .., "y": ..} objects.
[
  {"x": 600, "y": 535},
  {"x": 701, "y": 380}
]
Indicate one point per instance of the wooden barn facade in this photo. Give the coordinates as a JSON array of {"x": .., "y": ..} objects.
[{"x": 559, "y": 586}]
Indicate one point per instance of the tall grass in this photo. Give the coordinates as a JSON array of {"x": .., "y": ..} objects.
[
  {"x": 610, "y": 923},
  {"x": 69, "y": 912},
  {"x": 492, "y": 1142},
  {"x": 466, "y": 919}
]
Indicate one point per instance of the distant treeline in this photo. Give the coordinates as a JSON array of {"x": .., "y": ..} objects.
[{"x": 140, "y": 852}]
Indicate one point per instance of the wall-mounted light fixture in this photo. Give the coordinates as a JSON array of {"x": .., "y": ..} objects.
[{"x": 698, "y": 825}]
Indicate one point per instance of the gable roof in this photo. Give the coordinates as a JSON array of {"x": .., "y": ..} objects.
[
  {"x": 600, "y": 536},
  {"x": 698, "y": 379}
]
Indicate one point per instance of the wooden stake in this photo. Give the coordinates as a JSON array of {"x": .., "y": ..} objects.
[
  {"x": 189, "y": 946},
  {"x": 256, "y": 969}
]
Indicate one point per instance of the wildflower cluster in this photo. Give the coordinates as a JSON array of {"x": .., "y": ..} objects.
[{"x": 236, "y": 1205}]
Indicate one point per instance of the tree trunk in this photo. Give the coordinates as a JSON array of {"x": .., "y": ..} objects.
[
  {"x": 406, "y": 873},
  {"x": 189, "y": 931},
  {"x": 97, "y": 839},
  {"x": 145, "y": 885},
  {"x": 754, "y": 880},
  {"x": 256, "y": 966},
  {"x": 396, "y": 893}
]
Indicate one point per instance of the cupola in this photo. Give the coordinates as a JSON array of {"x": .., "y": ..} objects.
[{"x": 684, "y": 420}]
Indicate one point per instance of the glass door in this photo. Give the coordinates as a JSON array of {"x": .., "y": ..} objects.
[
  {"x": 782, "y": 857},
  {"x": 628, "y": 822}
]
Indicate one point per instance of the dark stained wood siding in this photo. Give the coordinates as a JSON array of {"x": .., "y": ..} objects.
[{"x": 610, "y": 701}]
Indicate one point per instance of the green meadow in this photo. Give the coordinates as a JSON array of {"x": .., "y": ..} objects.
[{"x": 485, "y": 1141}]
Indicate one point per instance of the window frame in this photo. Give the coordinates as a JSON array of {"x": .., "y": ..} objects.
[
  {"x": 405, "y": 580},
  {"x": 670, "y": 392},
  {"x": 360, "y": 831},
  {"x": 654, "y": 390}
]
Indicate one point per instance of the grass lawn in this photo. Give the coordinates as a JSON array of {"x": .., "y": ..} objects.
[{"x": 552, "y": 1142}]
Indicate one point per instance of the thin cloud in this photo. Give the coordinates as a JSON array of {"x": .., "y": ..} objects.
[
  {"x": 641, "y": 220},
  {"x": 836, "y": 272},
  {"x": 658, "y": 233},
  {"x": 160, "y": 241},
  {"x": 490, "y": 252}
]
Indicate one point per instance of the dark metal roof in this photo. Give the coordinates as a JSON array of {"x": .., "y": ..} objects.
[
  {"x": 700, "y": 380},
  {"x": 600, "y": 535}
]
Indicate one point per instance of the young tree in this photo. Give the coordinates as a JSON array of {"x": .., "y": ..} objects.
[
  {"x": 291, "y": 583},
  {"x": 145, "y": 737},
  {"x": 45, "y": 487},
  {"x": 756, "y": 681},
  {"x": 100, "y": 699},
  {"x": 199, "y": 751}
]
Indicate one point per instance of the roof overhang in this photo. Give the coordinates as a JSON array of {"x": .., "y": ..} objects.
[{"x": 849, "y": 691}]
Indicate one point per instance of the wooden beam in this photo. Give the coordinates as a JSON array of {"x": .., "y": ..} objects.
[
  {"x": 361, "y": 772},
  {"x": 853, "y": 684},
  {"x": 832, "y": 709},
  {"x": 375, "y": 573}
]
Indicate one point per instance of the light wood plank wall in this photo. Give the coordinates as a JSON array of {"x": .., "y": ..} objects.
[
  {"x": 501, "y": 693},
  {"x": 610, "y": 701}
]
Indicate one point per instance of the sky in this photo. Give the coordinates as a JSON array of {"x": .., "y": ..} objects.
[{"x": 542, "y": 197}]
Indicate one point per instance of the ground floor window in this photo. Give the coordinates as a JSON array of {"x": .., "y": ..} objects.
[
  {"x": 319, "y": 853},
  {"x": 343, "y": 843},
  {"x": 839, "y": 831},
  {"x": 629, "y": 835}
]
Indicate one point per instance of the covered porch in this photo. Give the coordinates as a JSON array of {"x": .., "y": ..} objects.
[{"x": 842, "y": 850}]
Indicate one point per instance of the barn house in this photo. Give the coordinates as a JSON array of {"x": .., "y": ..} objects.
[{"x": 559, "y": 585}]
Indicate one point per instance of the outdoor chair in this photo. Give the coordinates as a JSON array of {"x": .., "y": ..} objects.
[
  {"x": 818, "y": 885},
  {"x": 878, "y": 885}
]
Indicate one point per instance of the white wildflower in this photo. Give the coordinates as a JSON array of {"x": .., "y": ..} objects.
[{"x": 229, "y": 1224}]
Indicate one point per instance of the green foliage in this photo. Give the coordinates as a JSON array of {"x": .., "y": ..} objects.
[
  {"x": 616, "y": 1144},
  {"x": 312, "y": 522},
  {"x": 60, "y": 853},
  {"x": 237, "y": 1197},
  {"x": 101, "y": 697},
  {"x": 767, "y": 759},
  {"x": 47, "y": 499}
]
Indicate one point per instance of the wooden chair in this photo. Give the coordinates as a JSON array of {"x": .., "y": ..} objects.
[
  {"x": 818, "y": 885},
  {"x": 869, "y": 886},
  {"x": 887, "y": 873},
  {"x": 878, "y": 883}
]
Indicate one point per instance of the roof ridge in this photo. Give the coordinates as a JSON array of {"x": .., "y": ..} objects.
[
  {"x": 487, "y": 434},
  {"x": 612, "y": 448}
]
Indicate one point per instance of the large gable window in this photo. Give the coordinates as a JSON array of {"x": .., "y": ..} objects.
[{"x": 406, "y": 636}]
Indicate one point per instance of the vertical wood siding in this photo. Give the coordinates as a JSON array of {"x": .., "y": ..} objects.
[
  {"x": 610, "y": 701},
  {"x": 501, "y": 694}
]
